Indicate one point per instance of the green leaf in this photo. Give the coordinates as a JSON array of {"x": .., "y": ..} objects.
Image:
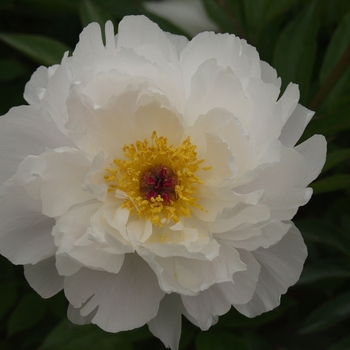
[
  {"x": 27, "y": 314},
  {"x": 259, "y": 14},
  {"x": 295, "y": 50},
  {"x": 67, "y": 336},
  {"x": 41, "y": 49},
  {"x": 91, "y": 12},
  {"x": 325, "y": 269},
  {"x": 344, "y": 344},
  {"x": 336, "y": 48},
  {"x": 8, "y": 296},
  {"x": 332, "y": 183},
  {"x": 325, "y": 233},
  {"x": 219, "y": 340},
  {"x": 11, "y": 69},
  {"x": 334, "y": 122},
  {"x": 336, "y": 157},
  {"x": 328, "y": 314},
  {"x": 7, "y": 5}
]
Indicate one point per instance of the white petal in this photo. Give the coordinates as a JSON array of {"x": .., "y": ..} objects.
[
  {"x": 25, "y": 131},
  {"x": 266, "y": 120},
  {"x": 36, "y": 87},
  {"x": 56, "y": 182},
  {"x": 188, "y": 238},
  {"x": 25, "y": 233},
  {"x": 90, "y": 42},
  {"x": 206, "y": 305},
  {"x": 314, "y": 150},
  {"x": 295, "y": 125},
  {"x": 110, "y": 37},
  {"x": 269, "y": 75},
  {"x": 282, "y": 184},
  {"x": 190, "y": 276},
  {"x": 268, "y": 235},
  {"x": 213, "y": 86},
  {"x": 244, "y": 282},
  {"x": 227, "y": 50},
  {"x": 289, "y": 100},
  {"x": 44, "y": 278},
  {"x": 167, "y": 324},
  {"x": 225, "y": 125},
  {"x": 281, "y": 266},
  {"x": 125, "y": 301},
  {"x": 77, "y": 246},
  {"x": 147, "y": 39}
]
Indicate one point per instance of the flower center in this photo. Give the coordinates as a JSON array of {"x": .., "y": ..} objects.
[{"x": 158, "y": 179}]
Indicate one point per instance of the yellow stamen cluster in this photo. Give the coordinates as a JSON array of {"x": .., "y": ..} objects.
[{"x": 142, "y": 158}]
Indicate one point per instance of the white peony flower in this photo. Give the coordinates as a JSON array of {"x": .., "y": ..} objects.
[{"x": 153, "y": 177}]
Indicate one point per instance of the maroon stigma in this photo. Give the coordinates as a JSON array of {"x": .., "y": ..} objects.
[{"x": 159, "y": 181}]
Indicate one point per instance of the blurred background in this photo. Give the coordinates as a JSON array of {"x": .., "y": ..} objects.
[{"x": 308, "y": 43}]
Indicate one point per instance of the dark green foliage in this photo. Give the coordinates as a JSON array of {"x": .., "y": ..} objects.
[{"x": 308, "y": 43}]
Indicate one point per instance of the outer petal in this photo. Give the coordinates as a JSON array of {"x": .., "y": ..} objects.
[
  {"x": 295, "y": 126},
  {"x": 25, "y": 131},
  {"x": 167, "y": 324},
  {"x": 281, "y": 266},
  {"x": 44, "y": 278},
  {"x": 217, "y": 300},
  {"x": 125, "y": 301},
  {"x": 314, "y": 150},
  {"x": 25, "y": 233},
  {"x": 208, "y": 304}
]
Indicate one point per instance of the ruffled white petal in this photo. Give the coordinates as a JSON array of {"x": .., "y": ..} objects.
[
  {"x": 146, "y": 39},
  {"x": 80, "y": 245},
  {"x": 44, "y": 278},
  {"x": 242, "y": 289},
  {"x": 190, "y": 276},
  {"x": 167, "y": 324},
  {"x": 281, "y": 266},
  {"x": 227, "y": 50},
  {"x": 36, "y": 87},
  {"x": 213, "y": 86},
  {"x": 124, "y": 301}
]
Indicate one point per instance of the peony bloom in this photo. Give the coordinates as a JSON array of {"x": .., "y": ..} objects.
[{"x": 153, "y": 177}]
